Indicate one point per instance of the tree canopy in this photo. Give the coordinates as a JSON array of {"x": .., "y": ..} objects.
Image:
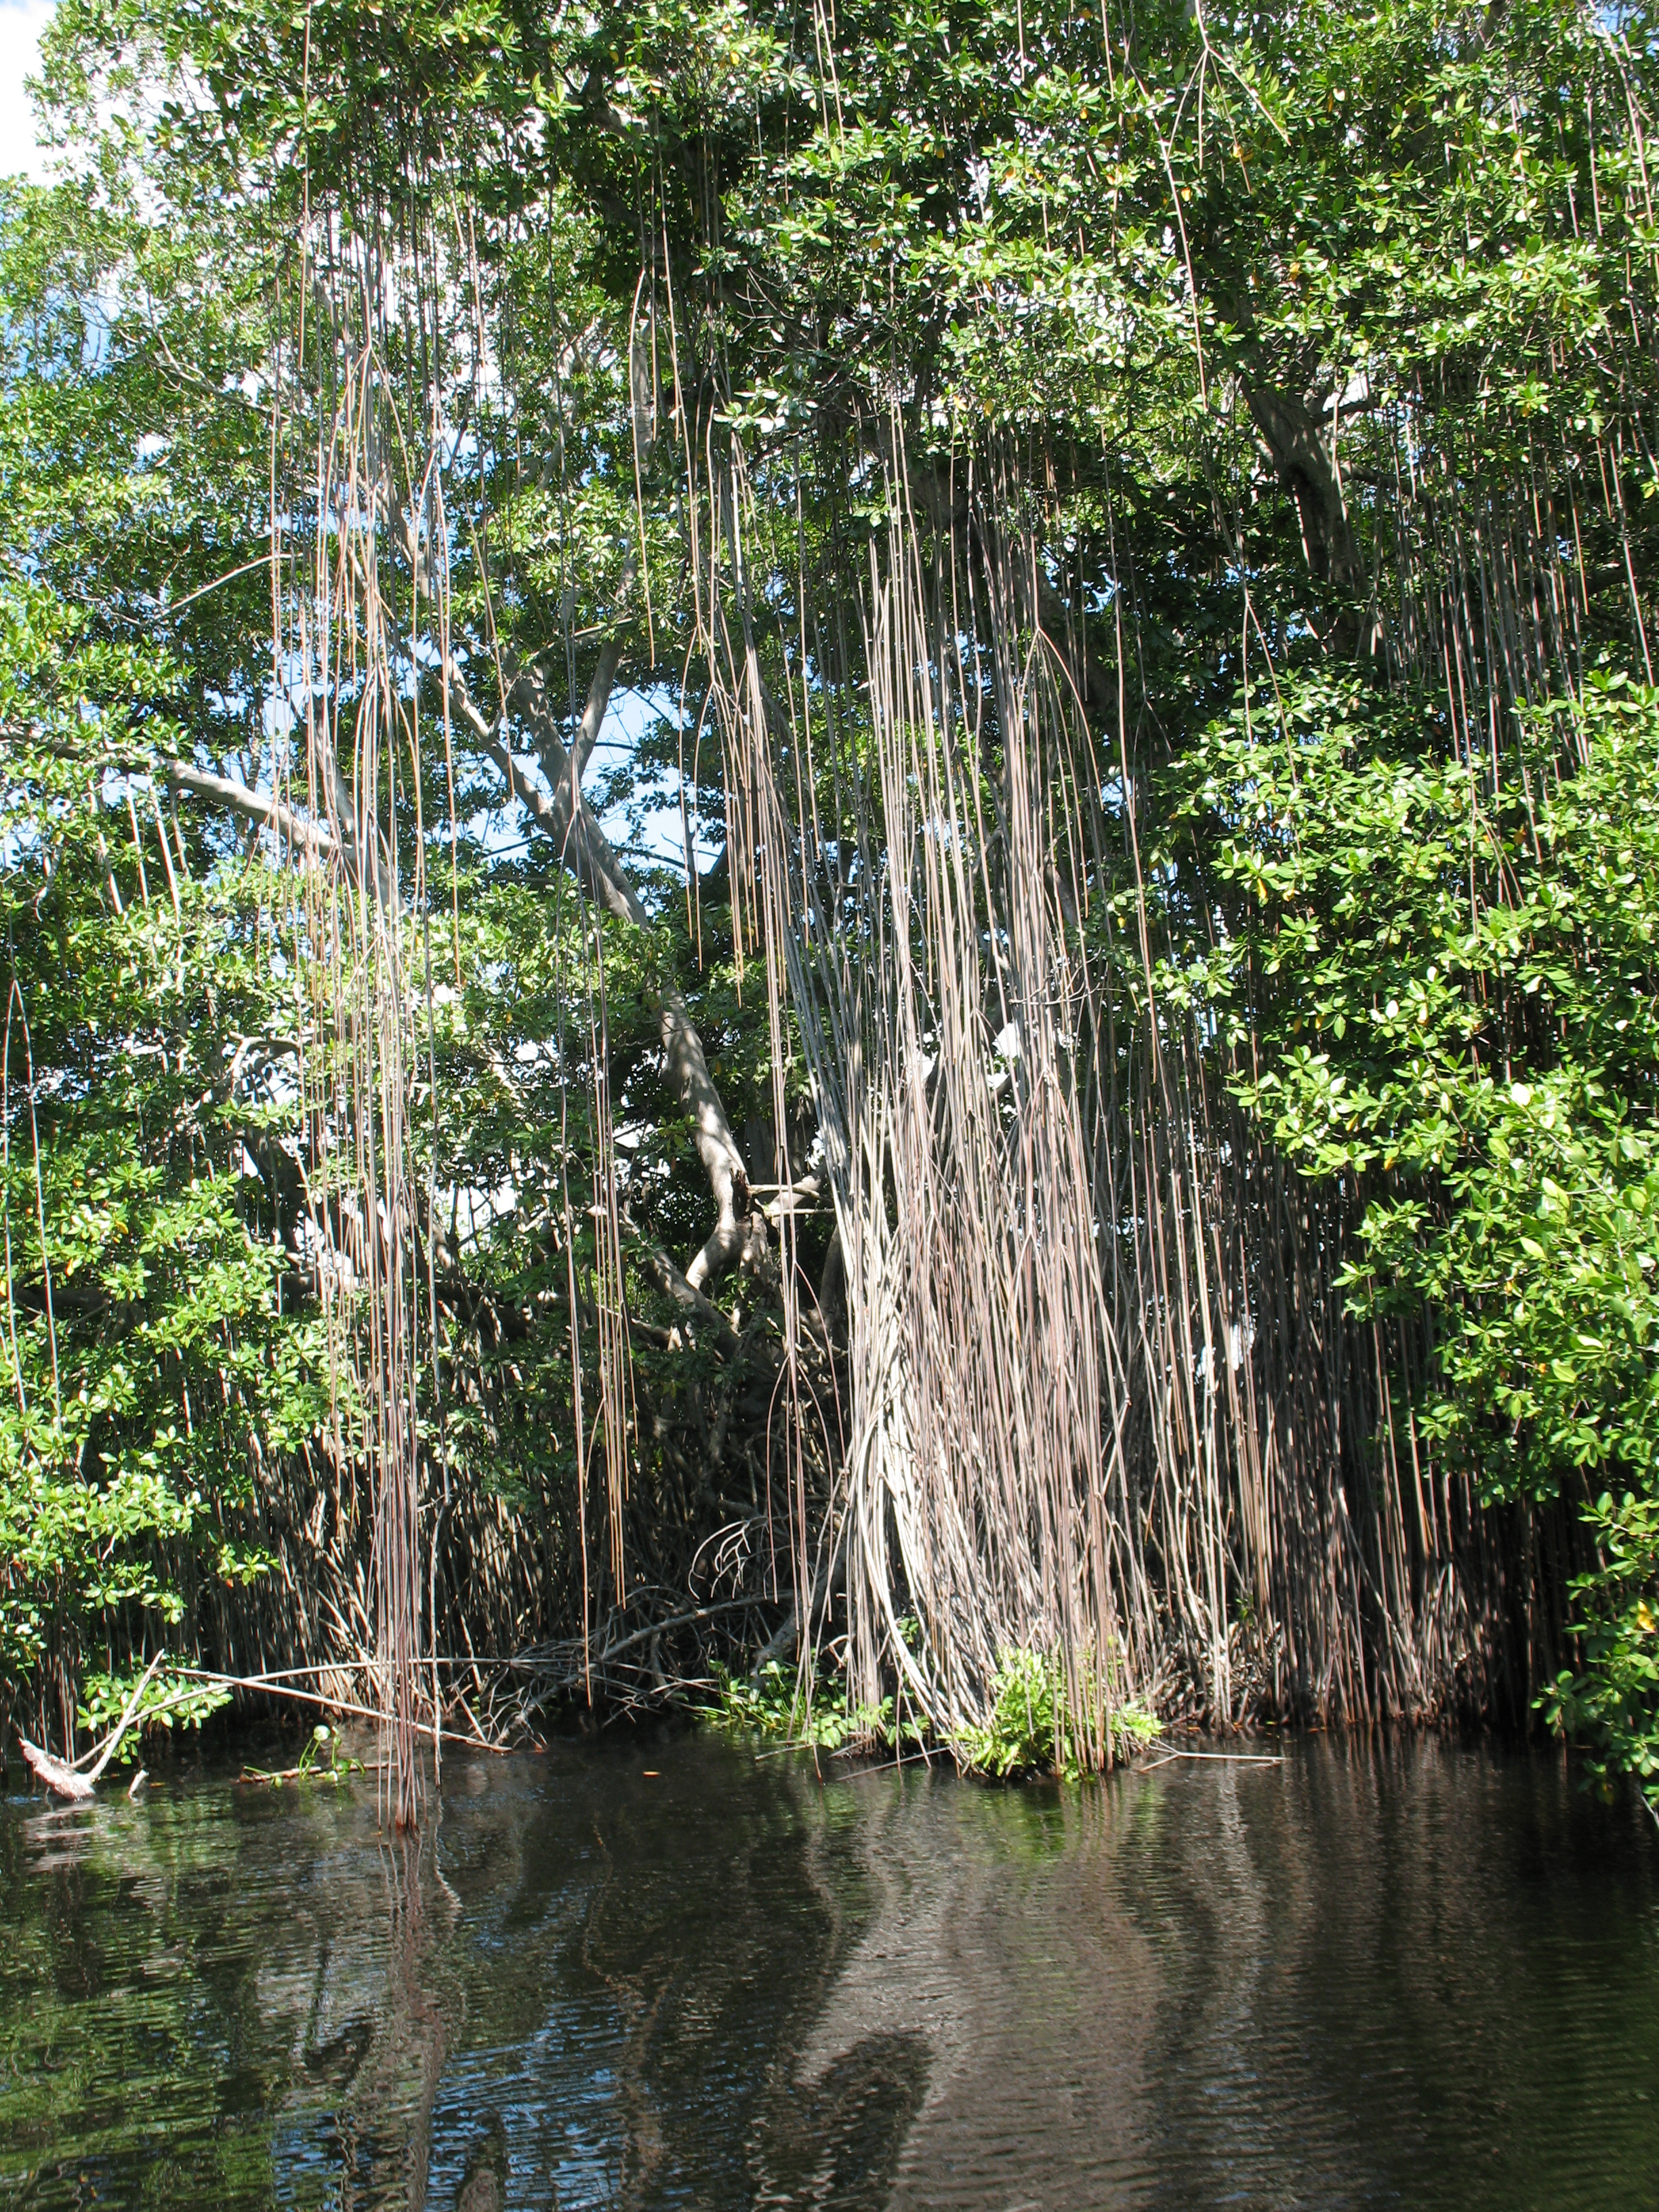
[{"x": 831, "y": 828}]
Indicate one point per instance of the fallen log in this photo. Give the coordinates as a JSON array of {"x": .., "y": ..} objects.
[
  {"x": 52, "y": 1772},
  {"x": 62, "y": 1776}
]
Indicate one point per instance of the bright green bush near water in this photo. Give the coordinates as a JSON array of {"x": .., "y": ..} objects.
[
  {"x": 1453, "y": 1002},
  {"x": 771, "y": 1702},
  {"x": 149, "y": 1366},
  {"x": 1030, "y": 1731}
]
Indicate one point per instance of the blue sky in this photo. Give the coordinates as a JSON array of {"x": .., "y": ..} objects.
[{"x": 21, "y": 22}]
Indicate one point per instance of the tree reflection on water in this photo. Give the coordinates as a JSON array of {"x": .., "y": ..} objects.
[{"x": 1420, "y": 1973}]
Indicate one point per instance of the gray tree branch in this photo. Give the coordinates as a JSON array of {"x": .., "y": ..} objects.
[{"x": 562, "y": 812}]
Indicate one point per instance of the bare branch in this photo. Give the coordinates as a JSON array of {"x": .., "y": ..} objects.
[
  {"x": 739, "y": 1233},
  {"x": 242, "y": 799},
  {"x": 599, "y": 699}
]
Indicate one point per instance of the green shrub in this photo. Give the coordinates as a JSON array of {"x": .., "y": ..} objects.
[
  {"x": 1033, "y": 1729},
  {"x": 1447, "y": 996},
  {"x": 770, "y": 1703}
]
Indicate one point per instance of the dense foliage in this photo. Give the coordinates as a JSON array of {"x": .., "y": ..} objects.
[
  {"x": 1283, "y": 383},
  {"x": 1453, "y": 997}
]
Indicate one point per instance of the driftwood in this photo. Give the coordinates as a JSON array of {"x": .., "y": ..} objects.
[
  {"x": 64, "y": 1778},
  {"x": 52, "y": 1772},
  {"x": 1225, "y": 1758},
  {"x": 272, "y": 1685}
]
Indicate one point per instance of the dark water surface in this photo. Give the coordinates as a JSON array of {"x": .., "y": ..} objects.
[{"x": 1422, "y": 1976}]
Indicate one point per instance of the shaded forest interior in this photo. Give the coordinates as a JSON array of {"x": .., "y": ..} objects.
[{"x": 830, "y": 843}]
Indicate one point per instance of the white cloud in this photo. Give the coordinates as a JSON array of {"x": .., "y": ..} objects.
[{"x": 21, "y": 22}]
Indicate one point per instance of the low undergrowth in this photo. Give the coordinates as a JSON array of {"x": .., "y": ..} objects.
[
  {"x": 771, "y": 1702},
  {"x": 166, "y": 1702},
  {"x": 321, "y": 1760},
  {"x": 1033, "y": 1729},
  {"x": 1032, "y": 1733}
]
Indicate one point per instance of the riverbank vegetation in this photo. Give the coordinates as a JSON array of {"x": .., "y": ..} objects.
[{"x": 830, "y": 846}]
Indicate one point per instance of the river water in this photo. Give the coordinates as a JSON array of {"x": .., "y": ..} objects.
[{"x": 1413, "y": 1975}]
